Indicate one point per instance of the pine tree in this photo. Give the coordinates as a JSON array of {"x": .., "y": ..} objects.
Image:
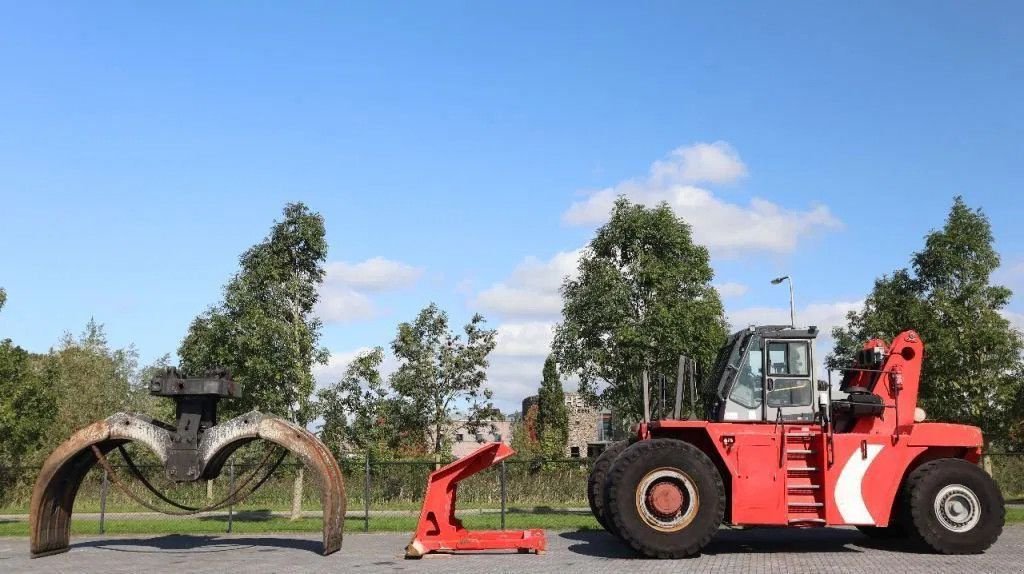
[{"x": 552, "y": 418}]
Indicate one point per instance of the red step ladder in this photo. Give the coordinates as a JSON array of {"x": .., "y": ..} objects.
[
  {"x": 805, "y": 475},
  {"x": 438, "y": 529}
]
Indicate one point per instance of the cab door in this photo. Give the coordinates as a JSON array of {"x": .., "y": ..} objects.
[{"x": 789, "y": 380}]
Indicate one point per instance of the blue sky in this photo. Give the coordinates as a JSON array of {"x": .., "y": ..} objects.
[{"x": 461, "y": 152}]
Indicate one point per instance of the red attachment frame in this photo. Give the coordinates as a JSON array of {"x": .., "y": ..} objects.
[{"x": 439, "y": 530}]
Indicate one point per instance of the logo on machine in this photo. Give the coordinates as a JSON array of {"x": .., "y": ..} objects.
[{"x": 848, "y": 493}]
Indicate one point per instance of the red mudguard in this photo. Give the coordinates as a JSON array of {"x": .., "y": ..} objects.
[{"x": 438, "y": 529}]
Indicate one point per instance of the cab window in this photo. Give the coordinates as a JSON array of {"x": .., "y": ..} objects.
[
  {"x": 789, "y": 359},
  {"x": 789, "y": 366},
  {"x": 748, "y": 388}
]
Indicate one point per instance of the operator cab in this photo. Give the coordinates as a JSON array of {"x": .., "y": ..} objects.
[{"x": 766, "y": 373}]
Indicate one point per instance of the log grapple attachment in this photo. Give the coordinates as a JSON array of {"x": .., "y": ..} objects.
[{"x": 195, "y": 448}]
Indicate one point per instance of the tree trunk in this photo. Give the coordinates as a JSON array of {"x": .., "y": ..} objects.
[
  {"x": 437, "y": 447},
  {"x": 209, "y": 491},
  {"x": 297, "y": 495},
  {"x": 986, "y": 458}
]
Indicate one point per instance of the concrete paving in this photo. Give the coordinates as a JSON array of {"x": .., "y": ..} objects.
[{"x": 755, "y": 551}]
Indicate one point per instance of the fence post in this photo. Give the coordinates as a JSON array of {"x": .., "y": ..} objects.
[
  {"x": 366, "y": 494},
  {"x": 231, "y": 489},
  {"x": 503, "y": 494},
  {"x": 103, "y": 503}
]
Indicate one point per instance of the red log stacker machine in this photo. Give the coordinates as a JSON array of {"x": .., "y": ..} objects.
[{"x": 777, "y": 450}]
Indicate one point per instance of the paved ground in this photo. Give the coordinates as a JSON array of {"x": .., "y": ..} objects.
[{"x": 752, "y": 551}]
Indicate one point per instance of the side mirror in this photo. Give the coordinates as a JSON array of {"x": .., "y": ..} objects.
[
  {"x": 771, "y": 385},
  {"x": 822, "y": 385}
]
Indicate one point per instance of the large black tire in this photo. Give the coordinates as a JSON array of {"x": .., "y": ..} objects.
[
  {"x": 649, "y": 465},
  {"x": 953, "y": 507},
  {"x": 596, "y": 482}
]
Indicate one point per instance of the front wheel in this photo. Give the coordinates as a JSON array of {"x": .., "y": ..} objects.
[
  {"x": 665, "y": 497},
  {"x": 953, "y": 507}
]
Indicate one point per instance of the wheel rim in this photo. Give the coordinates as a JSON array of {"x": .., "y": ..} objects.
[
  {"x": 957, "y": 508},
  {"x": 667, "y": 499}
]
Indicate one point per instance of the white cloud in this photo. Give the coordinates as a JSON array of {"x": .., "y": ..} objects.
[
  {"x": 513, "y": 379},
  {"x": 726, "y": 228},
  {"x": 531, "y": 339},
  {"x": 730, "y": 290},
  {"x": 822, "y": 315},
  {"x": 326, "y": 375},
  {"x": 702, "y": 162},
  {"x": 343, "y": 295},
  {"x": 532, "y": 288},
  {"x": 339, "y": 304},
  {"x": 1016, "y": 319},
  {"x": 376, "y": 274}
]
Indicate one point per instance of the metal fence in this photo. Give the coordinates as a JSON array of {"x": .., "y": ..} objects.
[{"x": 376, "y": 490}]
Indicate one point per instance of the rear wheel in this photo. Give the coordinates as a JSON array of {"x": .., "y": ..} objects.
[
  {"x": 953, "y": 507},
  {"x": 665, "y": 498},
  {"x": 596, "y": 482}
]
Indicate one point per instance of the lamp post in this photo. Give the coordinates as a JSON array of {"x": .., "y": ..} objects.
[{"x": 792, "y": 309}]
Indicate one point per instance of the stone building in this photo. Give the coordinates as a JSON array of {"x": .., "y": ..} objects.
[
  {"x": 584, "y": 423},
  {"x": 465, "y": 441}
]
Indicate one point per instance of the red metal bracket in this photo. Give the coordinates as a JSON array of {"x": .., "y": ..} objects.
[{"x": 438, "y": 529}]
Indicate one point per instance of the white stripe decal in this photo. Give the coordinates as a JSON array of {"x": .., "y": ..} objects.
[{"x": 848, "y": 495}]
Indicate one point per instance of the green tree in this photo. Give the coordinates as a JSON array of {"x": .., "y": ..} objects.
[
  {"x": 551, "y": 416},
  {"x": 27, "y": 406},
  {"x": 3, "y": 297},
  {"x": 362, "y": 413},
  {"x": 525, "y": 439},
  {"x": 91, "y": 379},
  {"x": 264, "y": 331},
  {"x": 642, "y": 298},
  {"x": 972, "y": 363},
  {"x": 440, "y": 371}
]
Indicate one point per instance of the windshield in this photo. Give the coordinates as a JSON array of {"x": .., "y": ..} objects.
[{"x": 729, "y": 354}]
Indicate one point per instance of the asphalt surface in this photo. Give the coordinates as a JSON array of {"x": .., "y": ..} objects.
[{"x": 753, "y": 551}]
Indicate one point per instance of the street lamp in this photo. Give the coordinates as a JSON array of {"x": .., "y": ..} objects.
[{"x": 792, "y": 310}]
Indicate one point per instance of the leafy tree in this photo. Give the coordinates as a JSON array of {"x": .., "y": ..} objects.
[
  {"x": 362, "y": 413},
  {"x": 524, "y": 433},
  {"x": 3, "y": 297},
  {"x": 91, "y": 380},
  {"x": 440, "y": 371},
  {"x": 642, "y": 298},
  {"x": 27, "y": 406},
  {"x": 551, "y": 416},
  {"x": 264, "y": 331},
  {"x": 972, "y": 362}
]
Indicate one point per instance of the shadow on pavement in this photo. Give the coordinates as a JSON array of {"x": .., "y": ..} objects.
[
  {"x": 214, "y": 543},
  {"x": 548, "y": 510},
  {"x": 753, "y": 540}
]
